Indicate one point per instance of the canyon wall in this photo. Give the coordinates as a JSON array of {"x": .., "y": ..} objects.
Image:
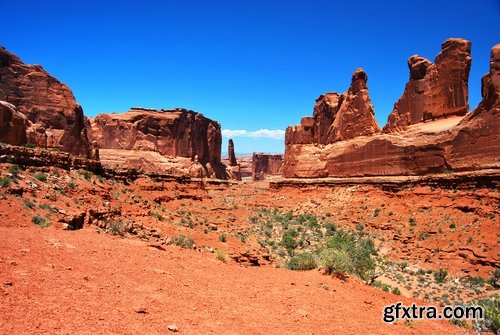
[{"x": 426, "y": 133}]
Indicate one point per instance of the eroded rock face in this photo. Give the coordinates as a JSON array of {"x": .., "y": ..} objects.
[
  {"x": 13, "y": 124},
  {"x": 338, "y": 117},
  {"x": 177, "y": 132},
  {"x": 266, "y": 165},
  {"x": 447, "y": 142},
  {"x": 435, "y": 90},
  {"x": 55, "y": 118}
]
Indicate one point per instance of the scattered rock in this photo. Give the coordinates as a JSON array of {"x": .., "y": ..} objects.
[{"x": 173, "y": 328}]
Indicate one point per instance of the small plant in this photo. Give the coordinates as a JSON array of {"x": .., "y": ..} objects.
[
  {"x": 5, "y": 182},
  {"x": 40, "y": 221},
  {"x": 453, "y": 226},
  {"x": 412, "y": 222},
  {"x": 494, "y": 280},
  {"x": 440, "y": 275},
  {"x": 30, "y": 145},
  {"x": 183, "y": 241},
  {"x": 56, "y": 172},
  {"x": 86, "y": 174},
  {"x": 302, "y": 262},
  {"x": 28, "y": 203},
  {"x": 158, "y": 216},
  {"x": 14, "y": 170},
  {"x": 221, "y": 255},
  {"x": 376, "y": 212},
  {"x": 491, "y": 321},
  {"x": 396, "y": 291},
  {"x": 222, "y": 237},
  {"x": 41, "y": 176},
  {"x": 391, "y": 213},
  {"x": 117, "y": 227}
]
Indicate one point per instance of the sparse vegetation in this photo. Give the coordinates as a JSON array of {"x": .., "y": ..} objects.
[
  {"x": 440, "y": 275},
  {"x": 40, "y": 176},
  {"x": 40, "y": 221},
  {"x": 302, "y": 262},
  {"x": 183, "y": 241},
  {"x": 222, "y": 237},
  {"x": 117, "y": 227}
]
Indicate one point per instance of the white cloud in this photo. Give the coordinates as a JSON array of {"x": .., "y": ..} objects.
[{"x": 275, "y": 134}]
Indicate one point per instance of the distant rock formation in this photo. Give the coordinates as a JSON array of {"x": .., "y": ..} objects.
[
  {"x": 266, "y": 165},
  {"x": 231, "y": 155},
  {"x": 177, "y": 132},
  {"x": 435, "y": 90},
  {"x": 338, "y": 117},
  {"x": 426, "y": 133},
  {"x": 54, "y": 119},
  {"x": 233, "y": 171}
]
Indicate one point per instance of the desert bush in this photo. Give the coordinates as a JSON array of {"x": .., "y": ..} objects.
[
  {"x": 30, "y": 145},
  {"x": 183, "y": 241},
  {"x": 491, "y": 321},
  {"x": 348, "y": 253},
  {"x": 222, "y": 237},
  {"x": 40, "y": 221},
  {"x": 28, "y": 203},
  {"x": 41, "y": 176},
  {"x": 156, "y": 215},
  {"x": 5, "y": 182},
  {"x": 440, "y": 275},
  {"x": 302, "y": 262},
  {"x": 117, "y": 227},
  {"x": 221, "y": 255}
]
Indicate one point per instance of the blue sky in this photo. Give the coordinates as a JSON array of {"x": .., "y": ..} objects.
[{"x": 254, "y": 66}]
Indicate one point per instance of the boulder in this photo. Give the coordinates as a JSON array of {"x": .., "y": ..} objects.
[{"x": 13, "y": 124}]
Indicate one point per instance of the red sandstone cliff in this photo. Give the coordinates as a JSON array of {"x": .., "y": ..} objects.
[
  {"x": 54, "y": 119},
  {"x": 446, "y": 141},
  {"x": 435, "y": 90},
  {"x": 177, "y": 132},
  {"x": 338, "y": 117}
]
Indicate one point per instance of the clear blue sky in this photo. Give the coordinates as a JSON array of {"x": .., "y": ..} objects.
[{"x": 250, "y": 65}]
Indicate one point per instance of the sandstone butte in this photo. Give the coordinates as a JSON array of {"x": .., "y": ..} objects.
[
  {"x": 429, "y": 130},
  {"x": 150, "y": 139},
  {"x": 36, "y": 108}
]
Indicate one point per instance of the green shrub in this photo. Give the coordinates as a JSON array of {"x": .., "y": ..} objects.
[
  {"x": 183, "y": 241},
  {"x": 156, "y": 215},
  {"x": 288, "y": 240},
  {"x": 40, "y": 176},
  {"x": 412, "y": 222},
  {"x": 376, "y": 212},
  {"x": 302, "y": 262},
  {"x": 222, "y": 237},
  {"x": 440, "y": 275},
  {"x": 5, "y": 182},
  {"x": 348, "y": 253},
  {"x": 40, "y": 221},
  {"x": 30, "y": 145},
  {"x": 491, "y": 321},
  {"x": 396, "y": 291}
]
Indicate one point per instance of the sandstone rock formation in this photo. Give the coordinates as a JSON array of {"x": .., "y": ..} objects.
[
  {"x": 54, "y": 117},
  {"x": 230, "y": 152},
  {"x": 233, "y": 170},
  {"x": 266, "y": 165},
  {"x": 13, "y": 124},
  {"x": 446, "y": 141},
  {"x": 435, "y": 90},
  {"x": 338, "y": 117},
  {"x": 177, "y": 132}
]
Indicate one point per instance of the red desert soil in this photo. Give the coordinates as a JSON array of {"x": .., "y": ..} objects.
[
  {"x": 88, "y": 282},
  {"x": 83, "y": 282}
]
